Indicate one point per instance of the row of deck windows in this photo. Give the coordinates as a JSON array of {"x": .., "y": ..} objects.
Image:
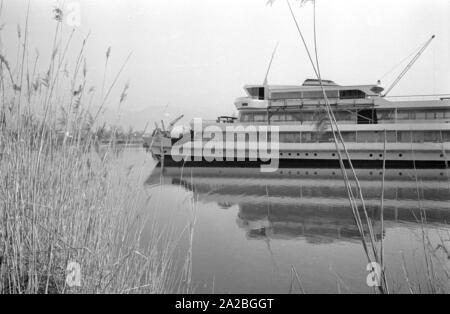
[
  {"x": 414, "y": 115},
  {"x": 355, "y": 137},
  {"x": 342, "y": 94},
  {"x": 302, "y": 117},
  {"x": 347, "y": 116},
  {"x": 368, "y": 137}
]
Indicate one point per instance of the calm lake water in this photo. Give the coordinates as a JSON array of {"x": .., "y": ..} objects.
[{"x": 252, "y": 229}]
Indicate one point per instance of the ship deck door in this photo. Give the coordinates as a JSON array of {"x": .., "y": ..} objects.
[
  {"x": 367, "y": 116},
  {"x": 261, "y": 93}
]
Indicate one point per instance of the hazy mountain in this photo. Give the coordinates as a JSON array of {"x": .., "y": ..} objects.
[{"x": 151, "y": 114}]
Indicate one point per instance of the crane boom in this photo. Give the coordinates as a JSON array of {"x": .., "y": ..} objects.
[
  {"x": 172, "y": 124},
  {"x": 409, "y": 66}
]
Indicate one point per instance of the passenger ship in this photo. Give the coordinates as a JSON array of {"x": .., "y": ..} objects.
[{"x": 377, "y": 130}]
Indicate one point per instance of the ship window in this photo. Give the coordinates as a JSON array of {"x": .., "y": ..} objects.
[
  {"x": 290, "y": 117},
  {"x": 391, "y": 137},
  {"x": 368, "y": 137},
  {"x": 259, "y": 117},
  {"x": 256, "y": 92},
  {"x": 333, "y": 94},
  {"x": 431, "y": 115},
  {"x": 404, "y": 137},
  {"x": 432, "y": 136},
  {"x": 402, "y": 115},
  {"x": 313, "y": 95},
  {"x": 306, "y": 137},
  {"x": 343, "y": 116},
  {"x": 420, "y": 115},
  {"x": 296, "y": 116},
  {"x": 351, "y": 94},
  {"x": 374, "y": 137},
  {"x": 277, "y": 117},
  {"x": 367, "y": 116},
  {"x": 325, "y": 137},
  {"x": 380, "y": 137},
  {"x": 418, "y": 137},
  {"x": 439, "y": 115},
  {"x": 349, "y": 136},
  {"x": 286, "y": 95},
  {"x": 290, "y": 137},
  {"x": 386, "y": 115},
  {"x": 319, "y": 94},
  {"x": 247, "y": 117},
  {"x": 253, "y": 91},
  {"x": 307, "y": 116},
  {"x": 446, "y": 136},
  {"x": 261, "y": 93},
  {"x": 447, "y": 114}
]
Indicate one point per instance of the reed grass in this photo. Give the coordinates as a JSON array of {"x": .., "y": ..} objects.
[
  {"x": 370, "y": 245},
  {"x": 63, "y": 197}
]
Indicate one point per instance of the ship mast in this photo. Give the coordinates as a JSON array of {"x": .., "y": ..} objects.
[{"x": 270, "y": 65}]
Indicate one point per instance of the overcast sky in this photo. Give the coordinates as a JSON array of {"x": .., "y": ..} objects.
[{"x": 194, "y": 56}]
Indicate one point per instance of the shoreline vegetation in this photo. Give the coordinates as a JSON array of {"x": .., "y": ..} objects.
[{"x": 63, "y": 200}]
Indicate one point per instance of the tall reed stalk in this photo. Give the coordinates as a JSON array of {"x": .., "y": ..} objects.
[{"x": 63, "y": 198}]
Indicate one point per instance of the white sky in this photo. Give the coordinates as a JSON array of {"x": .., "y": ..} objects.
[{"x": 197, "y": 54}]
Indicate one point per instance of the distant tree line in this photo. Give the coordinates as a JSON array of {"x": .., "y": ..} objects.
[
  {"x": 82, "y": 126},
  {"x": 118, "y": 134}
]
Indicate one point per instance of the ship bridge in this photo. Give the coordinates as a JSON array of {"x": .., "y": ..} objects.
[{"x": 264, "y": 96}]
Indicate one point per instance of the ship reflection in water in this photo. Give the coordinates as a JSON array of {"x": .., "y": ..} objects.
[{"x": 311, "y": 205}]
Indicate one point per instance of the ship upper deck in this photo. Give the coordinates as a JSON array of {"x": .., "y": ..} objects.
[{"x": 310, "y": 95}]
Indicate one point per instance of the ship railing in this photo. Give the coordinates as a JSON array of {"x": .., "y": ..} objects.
[
  {"x": 300, "y": 102},
  {"x": 419, "y": 97}
]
